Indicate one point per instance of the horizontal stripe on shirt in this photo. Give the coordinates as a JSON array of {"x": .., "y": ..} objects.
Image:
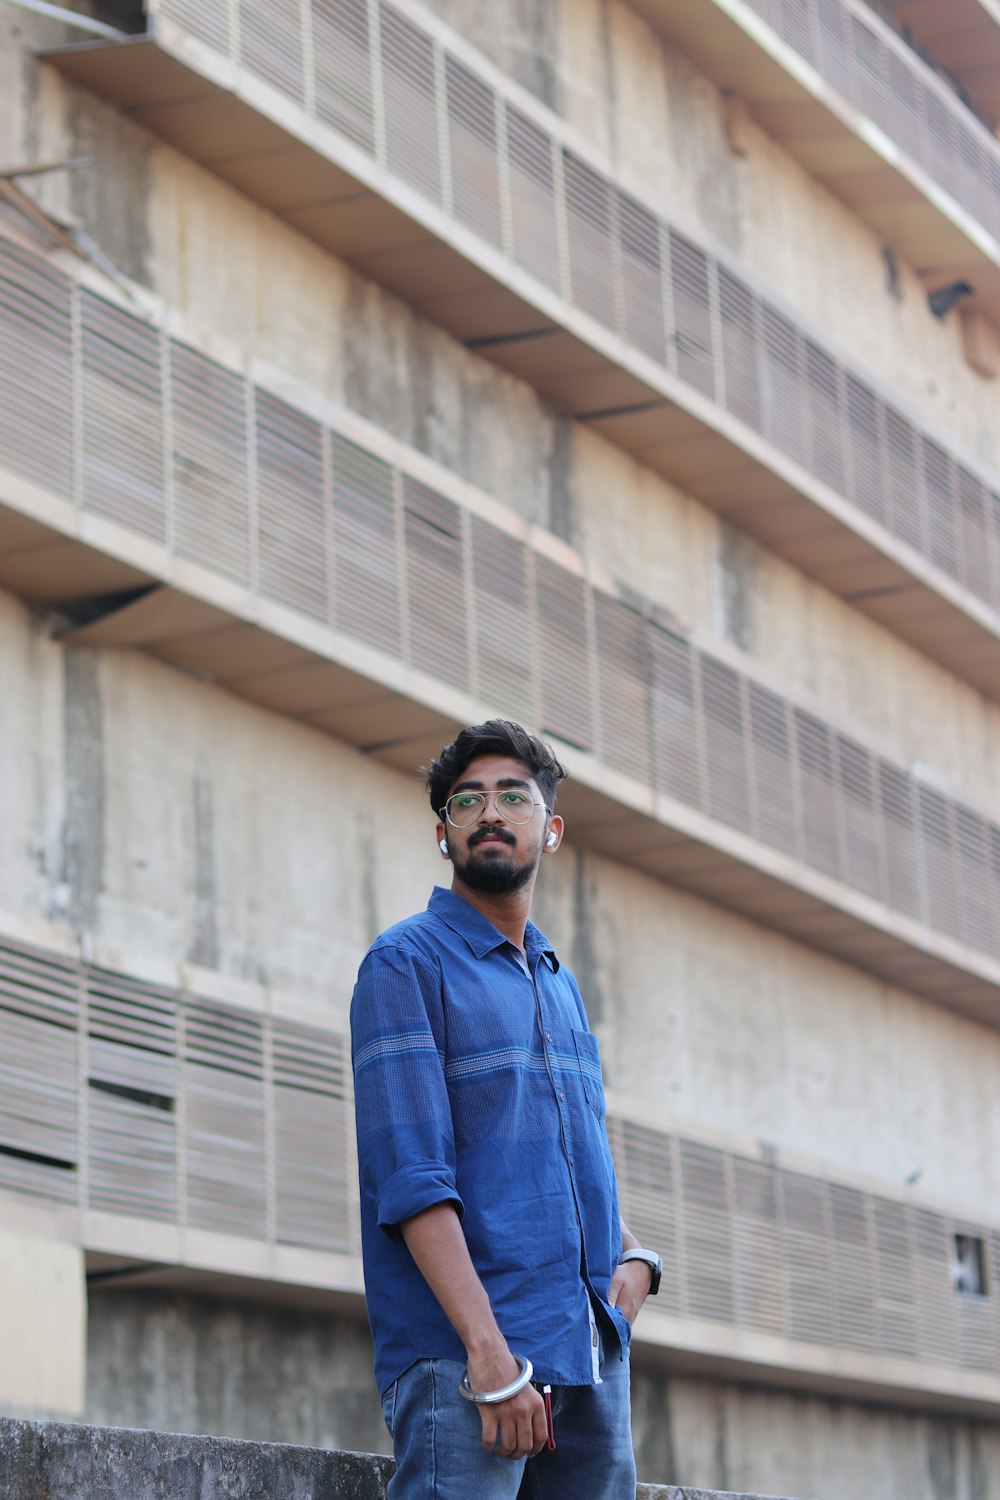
[{"x": 478, "y": 1083}]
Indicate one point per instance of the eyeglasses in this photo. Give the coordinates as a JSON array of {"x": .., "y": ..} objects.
[{"x": 465, "y": 808}]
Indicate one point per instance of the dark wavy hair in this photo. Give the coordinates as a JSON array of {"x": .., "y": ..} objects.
[{"x": 495, "y": 737}]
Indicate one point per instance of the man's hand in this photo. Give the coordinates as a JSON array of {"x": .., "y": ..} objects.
[
  {"x": 514, "y": 1428},
  {"x": 630, "y": 1287}
]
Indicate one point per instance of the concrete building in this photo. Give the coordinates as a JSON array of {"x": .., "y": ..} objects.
[{"x": 367, "y": 368}]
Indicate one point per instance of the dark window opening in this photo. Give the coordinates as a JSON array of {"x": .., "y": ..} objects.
[
  {"x": 968, "y": 1266},
  {"x": 127, "y": 15},
  {"x": 38, "y": 1158},
  {"x": 136, "y": 1096}
]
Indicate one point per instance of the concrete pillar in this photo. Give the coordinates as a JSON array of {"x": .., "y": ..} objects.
[{"x": 43, "y": 1314}]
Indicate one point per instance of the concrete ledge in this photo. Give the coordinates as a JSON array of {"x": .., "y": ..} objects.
[{"x": 61, "y": 1461}]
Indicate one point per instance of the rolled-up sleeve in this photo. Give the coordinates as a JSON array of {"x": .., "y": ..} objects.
[{"x": 406, "y": 1148}]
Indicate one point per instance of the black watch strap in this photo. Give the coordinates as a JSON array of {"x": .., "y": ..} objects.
[{"x": 652, "y": 1260}]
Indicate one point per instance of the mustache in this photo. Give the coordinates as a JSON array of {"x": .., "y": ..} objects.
[{"x": 491, "y": 833}]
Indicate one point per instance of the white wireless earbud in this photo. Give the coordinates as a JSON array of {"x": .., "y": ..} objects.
[
  {"x": 443, "y": 845},
  {"x": 550, "y": 842}
]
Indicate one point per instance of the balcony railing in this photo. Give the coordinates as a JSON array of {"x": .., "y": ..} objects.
[
  {"x": 271, "y": 507},
  {"x": 860, "y": 57},
  {"x": 866, "y": 62},
  {"x": 819, "y": 75},
  {"x": 384, "y": 137},
  {"x": 125, "y": 1097},
  {"x": 197, "y": 1133},
  {"x": 963, "y": 36}
]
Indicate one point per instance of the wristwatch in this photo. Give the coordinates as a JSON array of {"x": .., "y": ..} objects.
[{"x": 652, "y": 1260}]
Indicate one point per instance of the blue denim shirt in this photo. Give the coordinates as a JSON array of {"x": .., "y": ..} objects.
[{"x": 479, "y": 1084}]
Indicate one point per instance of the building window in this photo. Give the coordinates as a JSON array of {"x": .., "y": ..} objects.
[{"x": 968, "y": 1266}]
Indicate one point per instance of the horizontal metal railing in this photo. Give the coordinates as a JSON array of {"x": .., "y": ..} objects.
[
  {"x": 758, "y": 1246},
  {"x": 126, "y": 1098},
  {"x": 962, "y": 36},
  {"x": 511, "y": 179},
  {"x": 320, "y": 53},
  {"x": 102, "y": 406},
  {"x": 396, "y": 90},
  {"x": 871, "y": 67}
]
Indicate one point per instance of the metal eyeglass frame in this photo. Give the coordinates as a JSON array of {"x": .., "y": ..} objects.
[{"x": 444, "y": 813}]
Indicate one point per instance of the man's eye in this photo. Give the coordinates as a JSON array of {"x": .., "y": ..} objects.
[
  {"x": 514, "y": 799},
  {"x": 465, "y": 799}
]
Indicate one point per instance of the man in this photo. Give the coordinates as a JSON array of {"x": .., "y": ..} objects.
[{"x": 490, "y": 1227}]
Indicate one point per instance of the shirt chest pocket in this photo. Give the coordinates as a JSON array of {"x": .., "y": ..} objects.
[{"x": 588, "y": 1056}]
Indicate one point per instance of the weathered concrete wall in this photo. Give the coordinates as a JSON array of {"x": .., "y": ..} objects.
[
  {"x": 157, "y": 813},
  {"x": 242, "y": 274},
  {"x": 661, "y": 123},
  {"x": 170, "y": 818},
  {"x": 44, "y": 1315},
  {"x": 726, "y": 1435},
  {"x": 181, "y": 1363},
  {"x": 169, "y": 1361},
  {"x": 87, "y": 1463}
]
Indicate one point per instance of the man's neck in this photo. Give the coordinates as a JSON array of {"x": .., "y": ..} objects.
[{"x": 508, "y": 912}]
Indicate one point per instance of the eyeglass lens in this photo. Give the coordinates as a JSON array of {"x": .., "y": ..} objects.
[{"x": 513, "y": 806}]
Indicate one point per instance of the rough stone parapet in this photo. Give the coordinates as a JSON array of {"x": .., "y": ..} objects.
[{"x": 63, "y": 1461}]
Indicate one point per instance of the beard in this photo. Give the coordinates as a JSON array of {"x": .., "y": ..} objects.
[{"x": 493, "y": 875}]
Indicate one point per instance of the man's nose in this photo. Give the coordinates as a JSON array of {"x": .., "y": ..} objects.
[{"x": 490, "y": 813}]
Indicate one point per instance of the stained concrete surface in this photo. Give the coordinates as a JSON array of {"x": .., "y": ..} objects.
[
  {"x": 81, "y": 1463},
  {"x": 170, "y": 1360},
  {"x": 44, "y": 1323},
  {"x": 83, "y": 841},
  {"x": 190, "y": 1364},
  {"x": 156, "y": 813},
  {"x": 662, "y": 124},
  {"x": 178, "y": 820},
  {"x": 240, "y": 273},
  {"x": 86, "y": 1463}
]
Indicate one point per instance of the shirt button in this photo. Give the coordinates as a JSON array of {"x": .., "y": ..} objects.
[
  {"x": 548, "y": 1036},
  {"x": 562, "y": 1096}
]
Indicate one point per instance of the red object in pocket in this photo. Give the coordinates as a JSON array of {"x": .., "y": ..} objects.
[{"x": 549, "y": 1425}]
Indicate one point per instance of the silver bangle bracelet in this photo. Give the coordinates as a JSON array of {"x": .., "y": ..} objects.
[{"x": 493, "y": 1398}]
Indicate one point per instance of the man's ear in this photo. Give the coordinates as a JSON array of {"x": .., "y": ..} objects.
[
  {"x": 442, "y": 838},
  {"x": 554, "y": 834}
]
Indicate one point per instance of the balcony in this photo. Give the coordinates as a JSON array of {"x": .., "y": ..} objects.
[
  {"x": 774, "y": 1272},
  {"x": 964, "y": 35},
  {"x": 866, "y": 116},
  {"x": 385, "y": 138},
  {"x": 230, "y": 521}
]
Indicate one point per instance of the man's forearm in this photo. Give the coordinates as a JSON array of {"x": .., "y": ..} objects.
[
  {"x": 437, "y": 1244},
  {"x": 435, "y": 1240},
  {"x": 629, "y": 1241}
]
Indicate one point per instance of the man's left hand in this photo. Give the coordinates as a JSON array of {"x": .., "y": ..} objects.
[{"x": 630, "y": 1287}]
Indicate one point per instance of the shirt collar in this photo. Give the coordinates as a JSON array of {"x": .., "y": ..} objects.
[{"x": 480, "y": 934}]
